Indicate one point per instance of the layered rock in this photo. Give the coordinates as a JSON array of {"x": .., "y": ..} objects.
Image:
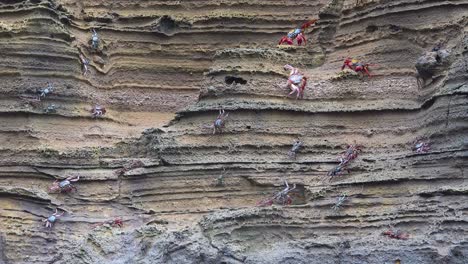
[{"x": 188, "y": 196}]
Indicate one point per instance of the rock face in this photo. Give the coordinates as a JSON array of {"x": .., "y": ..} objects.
[
  {"x": 430, "y": 63},
  {"x": 164, "y": 68}
]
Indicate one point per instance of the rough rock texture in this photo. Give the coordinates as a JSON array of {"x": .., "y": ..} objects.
[
  {"x": 191, "y": 197},
  {"x": 430, "y": 63}
]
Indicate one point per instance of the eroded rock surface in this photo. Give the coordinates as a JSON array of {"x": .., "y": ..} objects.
[{"x": 188, "y": 196}]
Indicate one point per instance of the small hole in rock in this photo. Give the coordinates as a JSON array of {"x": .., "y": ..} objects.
[
  {"x": 371, "y": 28},
  {"x": 65, "y": 20},
  {"x": 394, "y": 28},
  {"x": 249, "y": 127},
  {"x": 233, "y": 79},
  {"x": 61, "y": 8},
  {"x": 167, "y": 24}
]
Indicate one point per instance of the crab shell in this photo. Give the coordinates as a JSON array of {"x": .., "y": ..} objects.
[{"x": 98, "y": 108}]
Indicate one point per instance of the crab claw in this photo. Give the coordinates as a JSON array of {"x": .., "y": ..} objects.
[
  {"x": 54, "y": 187},
  {"x": 366, "y": 70},
  {"x": 301, "y": 38},
  {"x": 118, "y": 222},
  {"x": 265, "y": 202},
  {"x": 404, "y": 236},
  {"x": 74, "y": 178},
  {"x": 387, "y": 233},
  {"x": 285, "y": 40}
]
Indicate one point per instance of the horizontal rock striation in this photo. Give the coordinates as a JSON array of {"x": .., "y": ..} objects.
[{"x": 186, "y": 195}]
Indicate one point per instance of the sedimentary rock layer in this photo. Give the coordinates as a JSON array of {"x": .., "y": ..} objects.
[{"x": 186, "y": 195}]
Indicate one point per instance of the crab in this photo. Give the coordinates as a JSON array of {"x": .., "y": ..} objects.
[
  {"x": 338, "y": 170},
  {"x": 421, "y": 146},
  {"x": 352, "y": 151},
  {"x": 296, "y": 81},
  {"x": 98, "y": 111},
  {"x": 133, "y": 165},
  {"x": 220, "y": 121},
  {"x": 220, "y": 180},
  {"x": 295, "y": 148},
  {"x": 357, "y": 66},
  {"x": 117, "y": 222},
  {"x": 94, "y": 39},
  {"x": 49, "y": 221},
  {"x": 396, "y": 234},
  {"x": 45, "y": 91},
  {"x": 52, "y": 108},
  {"x": 297, "y": 34},
  {"x": 85, "y": 63},
  {"x": 339, "y": 202},
  {"x": 281, "y": 197},
  {"x": 65, "y": 185}
]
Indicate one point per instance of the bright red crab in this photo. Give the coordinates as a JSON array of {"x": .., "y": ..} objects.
[{"x": 297, "y": 34}]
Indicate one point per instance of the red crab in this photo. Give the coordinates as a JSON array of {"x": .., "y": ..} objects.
[
  {"x": 350, "y": 153},
  {"x": 396, "y": 234},
  {"x": 297, "y": 34},
  {"x": 357, "y": 66},
  {"x": 281, "y": 197}
]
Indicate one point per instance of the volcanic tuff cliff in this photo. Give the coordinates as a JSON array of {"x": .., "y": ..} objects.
[{"x": 188, "y": 196}]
